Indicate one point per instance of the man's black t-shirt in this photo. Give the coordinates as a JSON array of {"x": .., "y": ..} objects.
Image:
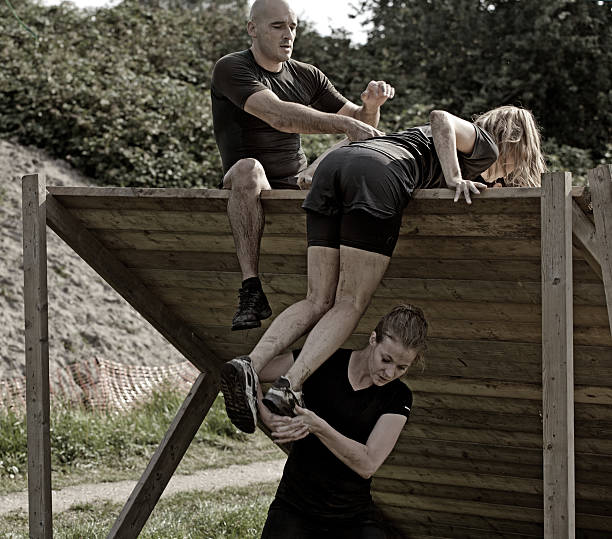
[
  {"x": 239, "y": 135},
  {"x": 315, "y": 482},
  {"x": 387, "y": 169}
]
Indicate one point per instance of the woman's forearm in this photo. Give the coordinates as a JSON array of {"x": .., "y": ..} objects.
[
  {"x": 354, "y": 454},
  {"x": 445, "y": 142}
]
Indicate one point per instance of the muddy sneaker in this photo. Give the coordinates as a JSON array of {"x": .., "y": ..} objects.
[
  {"x": 252, "y": 308},
  {"x": 281, "y": 399},
  {"x": 239, "y": 386}
]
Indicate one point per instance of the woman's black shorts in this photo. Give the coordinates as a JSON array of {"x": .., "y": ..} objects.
[
  {"x": 357, "y": 199},
  {"x": 357, "y": 229}
]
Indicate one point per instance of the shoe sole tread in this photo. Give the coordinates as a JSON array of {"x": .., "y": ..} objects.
[{"x": 236, "y": 403}]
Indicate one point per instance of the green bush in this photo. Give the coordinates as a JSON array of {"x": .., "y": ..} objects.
[{"x": 122, "y": 93}]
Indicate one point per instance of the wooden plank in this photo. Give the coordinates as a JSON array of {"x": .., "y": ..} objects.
[
  {"x": 503, "y": 490},
  {"x": 419, "y": 247},
  {"x": 488, "y": 437},
  {"x": 473, "y": 224},
  {"x": 593, "y": 446},
  {"x": 477, "y": 509},
  {"x": 277, "y": 194},
  {"x": 440, "y": 471},
  {"x": 127, "y": 285},
  {"x": 486, "y": 270},
  {"x": 473, "y": 403},
  {"x": 481, "y": 270},
  {"x": 37, "y": 355},
  {"x": 413, "y": 290},
  {"x": 600, "y": 181},
  {"x": 477, "y": 420},
  {"x": 557, "y": 357},
  {"x": 203, "y": 261},
  {"x": 450, "y": 451},
  {"x": 448, "y": 482},
  {"x": 585, "y": 238},
  {"x": 457, "y": 526},
  {"x": 166, "y": 458},
  {"x": 202, "y": 318}
]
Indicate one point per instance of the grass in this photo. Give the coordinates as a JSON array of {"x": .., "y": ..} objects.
[
  {"x": 90, "y": 446},
  {"x": 228, "y": 513}
]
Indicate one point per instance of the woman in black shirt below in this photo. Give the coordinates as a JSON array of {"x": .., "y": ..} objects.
[
  {"x": 354, "y": 213},
  {"x": 357, "y": 407}
]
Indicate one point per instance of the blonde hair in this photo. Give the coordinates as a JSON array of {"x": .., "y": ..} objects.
[{"x": 517, "y": 136}]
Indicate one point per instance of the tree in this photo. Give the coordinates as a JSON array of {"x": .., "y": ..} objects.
[{"x": 552, "y": 56}]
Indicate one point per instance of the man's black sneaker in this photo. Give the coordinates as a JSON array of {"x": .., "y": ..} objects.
[
  {"x": 239, "y": 386},
  {"x": 281, "y": 399},
  {"x": 252, "y": 308}
]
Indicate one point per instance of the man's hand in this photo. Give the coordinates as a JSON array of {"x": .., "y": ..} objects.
[
  {"x": 358, "y": 130},
  {"x": 464, "y": 187},
  {"x": 304, "y": 179},
  {"x": 376, "y": 93}
]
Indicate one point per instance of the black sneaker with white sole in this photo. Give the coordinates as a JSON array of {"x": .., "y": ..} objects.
[
  {"x": 239, "y": 386},
  {"x": 280, "y": 399}
]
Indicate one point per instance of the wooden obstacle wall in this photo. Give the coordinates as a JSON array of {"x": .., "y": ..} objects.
[{"x": 489, "y": 449}]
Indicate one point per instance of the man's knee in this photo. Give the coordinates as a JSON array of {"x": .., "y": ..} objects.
[{"x": 247, "y": 175}]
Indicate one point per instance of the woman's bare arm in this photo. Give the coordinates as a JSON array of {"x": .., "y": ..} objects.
[
  {"x": 450, "y": 134},
  {"x": 365, "y": 459}
]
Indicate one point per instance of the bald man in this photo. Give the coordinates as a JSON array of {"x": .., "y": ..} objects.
[{"x": 261, "y": 101}]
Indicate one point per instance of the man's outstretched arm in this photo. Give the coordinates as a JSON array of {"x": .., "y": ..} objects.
[{"x": 295, "y": 118}]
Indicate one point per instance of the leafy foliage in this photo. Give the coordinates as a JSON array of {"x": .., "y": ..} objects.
[
  {"x": 123, "y": 93},
  {"x": 467, "y": 56}
]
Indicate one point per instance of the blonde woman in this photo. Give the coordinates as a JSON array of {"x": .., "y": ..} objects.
[{"x": 354, "y": 212}]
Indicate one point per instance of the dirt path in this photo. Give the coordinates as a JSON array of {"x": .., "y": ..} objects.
[{"x": 207, "y": 480}]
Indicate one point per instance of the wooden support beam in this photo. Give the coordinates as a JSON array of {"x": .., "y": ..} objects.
[
  {"x": 164, "y": 462},
  {"x": 600, "y": 181},
  {"x": 37, "y": 355},
  {"x": 586, "y": 238},
  {"x": 172, "y": 327},
  {"x": 557, "y": 357}
]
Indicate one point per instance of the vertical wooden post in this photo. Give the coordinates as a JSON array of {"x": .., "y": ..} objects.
[
  {"x": 600, "y": 182},
  {"x": 557, "y": 357},
  {"x": 37, "y": 355}
]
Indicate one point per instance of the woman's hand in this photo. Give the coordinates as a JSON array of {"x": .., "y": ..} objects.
[
  {"x": 464, "y": 187},
  {"x": 289, "y": 429}
]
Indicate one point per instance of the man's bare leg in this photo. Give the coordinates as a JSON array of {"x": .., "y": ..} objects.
[
  {"x": 247, "y": 179},
  {"x": 295, "y": 321},
  {"x": 360, "y": 274}
]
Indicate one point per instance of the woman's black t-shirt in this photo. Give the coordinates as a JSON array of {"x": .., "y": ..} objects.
[
  {"x": 379, "y": 175},
  {"x": 314, "y": 480}
]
